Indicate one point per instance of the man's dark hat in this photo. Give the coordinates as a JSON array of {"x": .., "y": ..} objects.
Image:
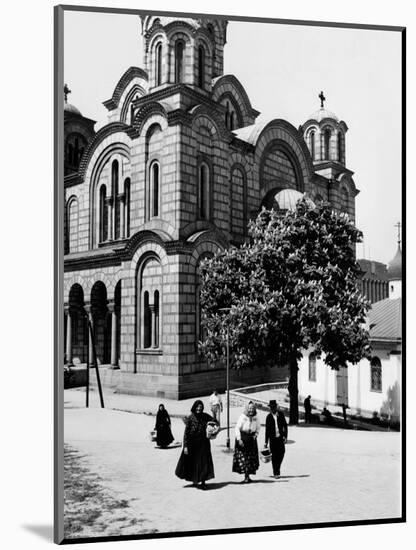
[{"x": 272, "y": 403}]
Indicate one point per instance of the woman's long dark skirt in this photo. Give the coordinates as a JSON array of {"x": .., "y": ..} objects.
[
  {"x": 246, "y": 459},
  {"x": 164, "y": 435},
  {"x": 197, "y": 465}
]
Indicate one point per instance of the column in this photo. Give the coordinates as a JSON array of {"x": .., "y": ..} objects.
[
  {"x": 90, "y": 342},
  {"x": 109, "y": 204},
  {"x": 112, "y": 310},
  {"x": 68, "y": 350},
  {"x": 122, "y": 203},
  {"x": 153, "y": 341}
]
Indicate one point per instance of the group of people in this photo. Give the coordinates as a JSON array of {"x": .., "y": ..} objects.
[{"x": 195, "y": 462}]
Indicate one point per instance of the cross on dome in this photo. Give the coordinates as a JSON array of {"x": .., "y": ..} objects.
[
  {"x": 66, "y": 92},
  {"x": 398, "y": 225},
  {"x": 322, "y": 98}
]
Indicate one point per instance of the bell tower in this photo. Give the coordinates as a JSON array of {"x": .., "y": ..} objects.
[{"x": 183, "y": 51}]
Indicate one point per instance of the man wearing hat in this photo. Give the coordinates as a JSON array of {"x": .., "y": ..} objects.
[{"x": 276, "y": 434}]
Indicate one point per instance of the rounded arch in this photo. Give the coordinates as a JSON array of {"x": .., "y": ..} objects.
[
  {"x": 279, "y": 168},
  {"x": 149, "y": 302},
  {"x": 114, "y": 151},
  {"x": 75, "y": 330},
  {"x": 101, "y": 322},
  {"x": 282, "y": 134},
  {"x": 229, "y": 85},
  {"x": 151, "y": 113},
  {"x": 135, "y": 92},
  {"x": 133, "y": 75}
]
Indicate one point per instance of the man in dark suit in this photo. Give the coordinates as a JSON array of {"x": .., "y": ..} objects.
[{"x": 276, "y": 434}]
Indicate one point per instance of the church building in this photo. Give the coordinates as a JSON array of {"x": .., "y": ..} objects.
[{"x": 172, "y": 178}]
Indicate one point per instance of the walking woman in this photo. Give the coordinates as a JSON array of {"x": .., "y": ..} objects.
[
  {"x": 195, "y": 463},
  {"x": 163, "y": 432},
  {"x": 246, "y": 453}
]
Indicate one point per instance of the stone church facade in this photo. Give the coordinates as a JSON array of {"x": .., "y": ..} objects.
[{"x": 174, "y": 177}]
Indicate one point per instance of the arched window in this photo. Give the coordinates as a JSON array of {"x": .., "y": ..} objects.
[
  {"x": 147, "y": 321},
  {"x": 72, "y": 225},
  {"x": 376, "y": 374},
  {"x": 327, "y": 141},
  {"x": 103, "y": 214},
  {"x": 127, "y": 207},
  {"x": 203, "y": 192},
  {"x": 339, "y": 143},
  {"x": 156, "y": 319},
  {"x": 201, "y": 67},
  {"x": 227, "y": 115},
  {"x": 114, "y": 194},
  {"x": 312, "y": 137},
  {"x": 154, "y": 189},
  {"x": 179, "y": 50},
  {"x": 159, "y": 64},
  {"x": 232, "y": 120},
  {"x": 312, "y": 367}
]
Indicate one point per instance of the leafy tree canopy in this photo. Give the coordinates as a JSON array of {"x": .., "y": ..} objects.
[{"x": 293, "y": 286}]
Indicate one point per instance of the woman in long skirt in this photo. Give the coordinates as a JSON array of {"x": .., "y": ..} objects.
[
  {"x": 195, "y": 463},
  {"x": 163, "y": 432},
  {"x": 246, "y": 453}
]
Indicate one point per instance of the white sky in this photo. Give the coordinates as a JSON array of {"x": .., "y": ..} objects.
[{"x": 283, "y": 68}]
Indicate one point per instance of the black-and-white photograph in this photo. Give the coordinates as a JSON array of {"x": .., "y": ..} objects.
[{"x": 231, "y": 306}]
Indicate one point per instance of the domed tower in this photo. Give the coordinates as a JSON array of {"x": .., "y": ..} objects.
[
  {"x": 324, "y": 134},
  {"x": 183, "y": 51},
  {"x": 78, "y": 130},
  {"x": 395, "y": 272}
]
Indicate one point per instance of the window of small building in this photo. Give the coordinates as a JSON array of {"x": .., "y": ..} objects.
[
  {"x": 147, "y": 321},
  {"x": 312, "y": 367},
  {"x": 375, "y": 375}
]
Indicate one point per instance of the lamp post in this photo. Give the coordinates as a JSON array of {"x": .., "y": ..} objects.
[{"x": 227, "y": 343}]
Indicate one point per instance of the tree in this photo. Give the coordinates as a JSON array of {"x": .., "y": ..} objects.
[{"x": 294, "y": 286}]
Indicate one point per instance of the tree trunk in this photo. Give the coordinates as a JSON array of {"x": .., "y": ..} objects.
[{"x": 293, "y": 391}]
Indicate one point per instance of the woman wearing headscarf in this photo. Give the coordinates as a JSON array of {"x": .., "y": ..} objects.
[
  {"x": 195, "y": 463},
  {"x": 163, "y": 432},
  {"x": 246, "y": 453}
]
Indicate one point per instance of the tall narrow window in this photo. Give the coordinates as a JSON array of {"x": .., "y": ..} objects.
[
  {"x": 127, "y": 207},
  {"x": 158, "y": 64},
  {"x": 154, "y": 189},
  {"x": 312, "y": 367},
  {"x": 114, "y": 193},
  {"x": 203, "y": 192},
  {"x": 376, "y": 379},
  {"x": 327, "y": 140},
  {"x": 72, "y": 225},
  {"x": 147, "y": 321},
  {"x": 227, "y": 115},
  {"x": 232, "y": 120},
  {"x": 344, "y": 200},
  {"x": 201, "y": 67},
  {"x": 179, "y": 48},
  {"x": 103, "y": 214},
  {"x": 340, "y": 146},
  {"x": 313, "y": 145},
  {"x": 156, "y": 319}
]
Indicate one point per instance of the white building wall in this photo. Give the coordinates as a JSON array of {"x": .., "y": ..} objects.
[{"x": 323, "y": 390}]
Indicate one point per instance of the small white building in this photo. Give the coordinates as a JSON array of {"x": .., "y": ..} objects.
[{"x": 371, "y": 386}]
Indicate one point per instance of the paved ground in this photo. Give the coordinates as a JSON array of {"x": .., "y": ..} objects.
[{"x": 328, "y": 474}]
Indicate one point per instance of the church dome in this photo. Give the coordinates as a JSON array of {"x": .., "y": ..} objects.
[
  {"x": 323, "y": 113},
  {"x": 69, "y": 108},
  {"x": 288, "y": 198},
  {"x": 395, "y": 266}
]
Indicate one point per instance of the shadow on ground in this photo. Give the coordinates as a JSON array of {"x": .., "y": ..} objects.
[{"x": 45, "y": 532}]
